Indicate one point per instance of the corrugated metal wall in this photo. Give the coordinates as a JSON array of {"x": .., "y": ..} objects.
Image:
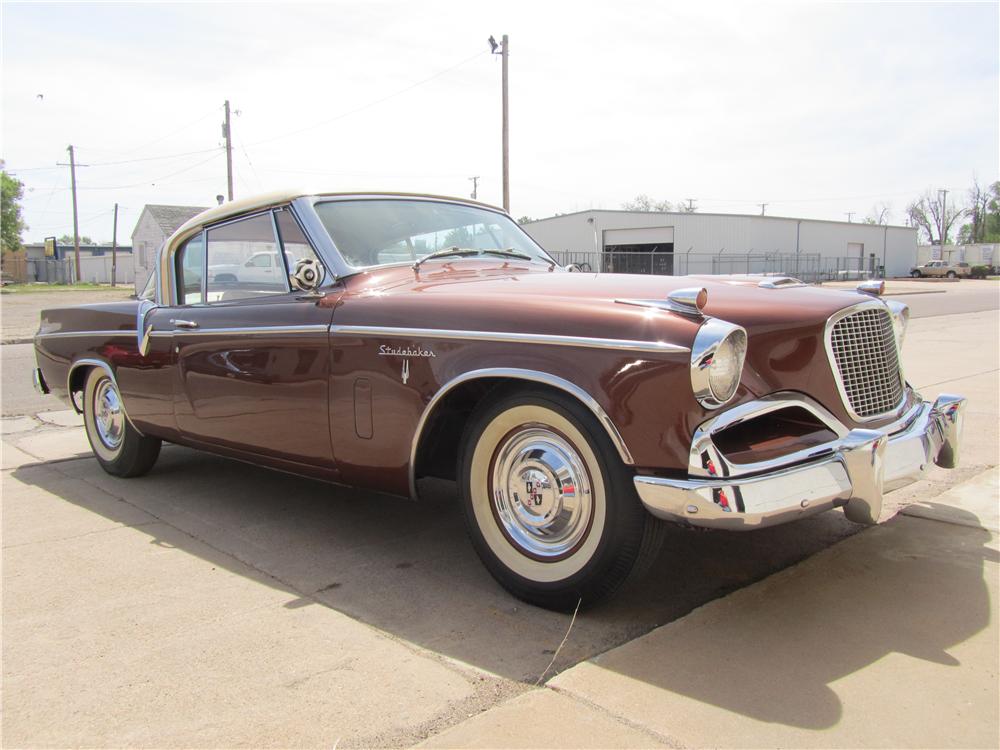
[{"x": 704, "y": 235}]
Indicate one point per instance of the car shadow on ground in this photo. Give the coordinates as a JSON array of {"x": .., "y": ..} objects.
[
  {"x": 407, "y": 568},
  {"x": 777, "y": 654}
]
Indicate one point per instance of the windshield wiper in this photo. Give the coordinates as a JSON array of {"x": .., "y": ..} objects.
[
  {"x": 455, "y": 250},
  {"x": 507, "y": 253}
]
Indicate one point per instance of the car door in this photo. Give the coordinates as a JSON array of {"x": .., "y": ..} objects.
[{"x": 252, "y": 356}]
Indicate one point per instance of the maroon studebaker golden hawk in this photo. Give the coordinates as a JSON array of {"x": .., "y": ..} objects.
[{"x": 372, "y": 340}]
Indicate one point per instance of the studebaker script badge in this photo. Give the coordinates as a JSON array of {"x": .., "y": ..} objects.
[{"x": 404, "y": 351}]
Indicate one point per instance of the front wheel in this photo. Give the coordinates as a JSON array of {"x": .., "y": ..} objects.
[
  {"x": 549, "y": 506},
  {"x": 117, "y": 445}
]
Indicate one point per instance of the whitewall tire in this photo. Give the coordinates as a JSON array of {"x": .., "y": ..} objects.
[
  {"x": 549, "y": 506},
  {"x": 117, "y": 445}
]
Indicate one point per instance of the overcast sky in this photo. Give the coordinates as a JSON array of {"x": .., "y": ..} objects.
[{"x": 816, "y": 109}]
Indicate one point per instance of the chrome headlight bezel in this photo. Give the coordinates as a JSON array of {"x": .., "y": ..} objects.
[
  {"x": 900, "y": 314},
  {"x": 716, "y": 338}
]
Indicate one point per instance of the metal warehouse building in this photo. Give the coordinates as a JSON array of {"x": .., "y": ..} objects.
[{"x": 682, "y": 243}]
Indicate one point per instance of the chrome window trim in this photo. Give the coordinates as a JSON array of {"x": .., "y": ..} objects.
[
  {"x": 340, "y": 198},
  {"x": 876, "y": 303},
  {"x": 90, "y": 362},
  {"x": 534, "y": 376},
  {"x": 508, "y": 337},
  {"x": 301, "y": 208}
]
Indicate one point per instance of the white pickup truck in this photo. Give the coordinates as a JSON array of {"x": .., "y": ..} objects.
[{"x": 941, "y": 269}]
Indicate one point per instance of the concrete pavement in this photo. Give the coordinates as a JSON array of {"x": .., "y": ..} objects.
[
  {"x": 214, "y": 603},
  {"x": 887, "y": 639}
]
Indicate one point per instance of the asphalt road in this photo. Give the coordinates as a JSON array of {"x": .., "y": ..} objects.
[{"x": 968, "y": 299}]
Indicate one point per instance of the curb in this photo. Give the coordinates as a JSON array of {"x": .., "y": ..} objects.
[{"x": 18, "y": 340}]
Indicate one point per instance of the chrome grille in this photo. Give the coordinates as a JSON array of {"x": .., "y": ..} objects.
[{"x": 864, "y": 352}]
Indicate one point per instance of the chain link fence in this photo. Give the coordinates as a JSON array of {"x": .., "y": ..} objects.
[{"x": 810, "y": 267}]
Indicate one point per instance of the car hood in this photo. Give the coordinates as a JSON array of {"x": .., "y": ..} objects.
[{"x": 485, "y": 296}]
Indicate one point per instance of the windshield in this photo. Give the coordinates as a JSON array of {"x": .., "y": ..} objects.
[{"x": 378, "y": 232}]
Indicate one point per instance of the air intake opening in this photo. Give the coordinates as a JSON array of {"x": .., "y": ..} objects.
[{"x": 772, "y": 435}]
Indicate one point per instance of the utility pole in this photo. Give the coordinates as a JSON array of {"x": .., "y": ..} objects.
[
  {"x": 690, "y": 202},
  {"x": 849, "y": 215},
  {"x": 762, "y": 207},
  {"x": 504, "y": 49},
  {"x": 76, "y": 225},
  {"x": 227, "y": 132},
  {"x": 475, "y": 186},
  {"x": 943, "y": 195},
  {"x": 114, "y": 248}
]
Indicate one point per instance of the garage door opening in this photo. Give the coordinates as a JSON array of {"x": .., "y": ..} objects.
[{"x": 650, "y": 258}]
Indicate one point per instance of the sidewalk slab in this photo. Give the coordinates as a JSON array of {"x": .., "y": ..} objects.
[
  {"x": 61, "y": 418},
  {"x": 543, "y": 718},
  {"x": 55, "y": 445},
  {"x": 887, "y": 639},
  {"x": 973, "y": 503}
]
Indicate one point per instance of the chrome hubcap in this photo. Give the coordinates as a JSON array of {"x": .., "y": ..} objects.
[
  {"x": 541, "y": 492},
  {"x": 108, "y": 416}
]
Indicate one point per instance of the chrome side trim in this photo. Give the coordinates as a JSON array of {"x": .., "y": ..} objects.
[
  {"x": 832, "y": 360},
  {"x": 68, "y": 334},
  {"x": 245, "y": 331},
  {"x": 87, "y": 362},
  {"x": 509, "y": 337},
  {"x": 516, "y": 374}
]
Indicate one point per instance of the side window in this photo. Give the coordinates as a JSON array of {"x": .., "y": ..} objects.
[
  {"x": 293, "y": 241},
  {"x": 190, "y": 271},
  {"x": 242, "y": 260}
]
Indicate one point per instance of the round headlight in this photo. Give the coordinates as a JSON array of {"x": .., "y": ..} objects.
[
  {"x": 727, "y": 366},
  {"x": 717, "y": 357}
]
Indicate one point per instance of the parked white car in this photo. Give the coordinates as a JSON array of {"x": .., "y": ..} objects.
[
  {"x": 941, "y": 268},
  {"x": 263, "y": 267}
]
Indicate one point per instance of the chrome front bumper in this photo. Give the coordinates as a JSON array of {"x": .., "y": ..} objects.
[{"x": 853, "y": 471}]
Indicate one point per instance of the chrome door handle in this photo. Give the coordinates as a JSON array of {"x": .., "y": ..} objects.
[{"x": 178, "y": 323}]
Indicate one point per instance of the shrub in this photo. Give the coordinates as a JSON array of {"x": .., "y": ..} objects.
[{"x": 980, "y": 272}]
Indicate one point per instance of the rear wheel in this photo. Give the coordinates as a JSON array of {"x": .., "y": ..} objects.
[
  {"x": 915, "y": 274},
  {"x": 549, "y": 506},
  {"x": 117, "y": 445},
  {"x": 952, "y": 275}
]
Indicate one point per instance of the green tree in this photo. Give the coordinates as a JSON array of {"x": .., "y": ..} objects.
[
  {"x": 11, "y": 223},
  {"x": 67, "y": 239}
]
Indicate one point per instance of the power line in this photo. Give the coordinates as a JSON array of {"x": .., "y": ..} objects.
[{"x": 155, "y": 179}]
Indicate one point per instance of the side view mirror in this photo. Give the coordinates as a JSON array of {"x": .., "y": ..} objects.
[
  {"x": 142, "y": 331},
  {"x": 572, "y": 268},
  {"x": 308, "y": 275}
]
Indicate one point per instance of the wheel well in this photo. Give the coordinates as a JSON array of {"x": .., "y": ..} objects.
[
  {"x": 77, "y": 382},
  {"x": 442, "y": 434}
]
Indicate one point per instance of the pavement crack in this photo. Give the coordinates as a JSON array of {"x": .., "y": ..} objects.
[
  {"x": 661, "y": 738},
  {"x": 84, "y": 534}
]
